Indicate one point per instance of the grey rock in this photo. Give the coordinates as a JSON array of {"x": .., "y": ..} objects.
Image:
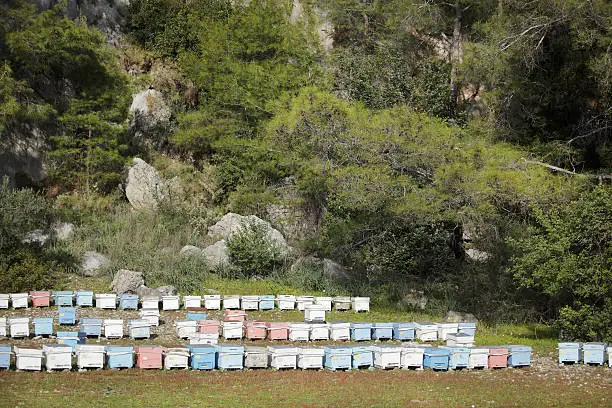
[
  {"x": 145, "y": 188},
  {"x": 63, "y": 231},
  {"x": 145, "y": 291},
  {"x": 217, "y": 254},
  {"x": 477, "y": 255},
  {"x": 415, "y": 299},
  {"x": 93, "y": 263},
  {"x": 36, "y": 237},
  {"x": 458, "y": 317},
  {"x": 189, "y": 251},
  {"x": 335, "y": 271},
  {"x": 166, "y": 290},
  {"x": 150, "y": 104},
  {"x": 126, "y": 281}
]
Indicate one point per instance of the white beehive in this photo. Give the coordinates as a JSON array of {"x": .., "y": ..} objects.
[
  {"x": 314, "y": 313},
  {"x": 426, "y": 331},
  {"x": 342, "y": 303},
  {"x": 19, "y": 327},
  {"x": 302, "y": 301},
  {"x": 106, "y": 301},
  {"x": 250, "y": 302},
  {"x": 176, "y": 357},
  {"x": 192, "y": 301},
  {"x": 232, "y": 330},
  {"x": 283, "y": 356},
  {"x": 340, "y": 331},
  {"x": 150, "y": 302},
  {"x": 28, "y": 358},
  {"x": 57, "y": 356},
  {"x": 151, "y": 315},
  {"x": 285, "y": 302},
  {"x": 185, "y": 328},
  {"x": 360, "y": 304},
  {"x": 212, "y": 302},
  {"x": 319, "y": 331},
  {"x": 4, "y": 300},
  {"x": 90, "y": 355},
  {"x": 325, "y": 301},
  {"x": 171, "y": 302},
  {"x": 310, "y": 358},
  {"x": 3, "y": 327},
  {"x": 204, "y": 338},
  {"x": 460, "y": 340},
  {"x": 19, "y": 300},
  {"x": 444, "y": 329},
  {"x": 479, "y": 357},
  {"x": 231, "y": 301},
  {"x": 387, "y": 356},
  {"x": 299, "y": 331},
  {"x": 412, "y": 356},
  {"x": 113, "y": 328}
]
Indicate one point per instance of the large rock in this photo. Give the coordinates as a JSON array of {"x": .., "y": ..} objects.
[
  {"x": 232, "y": 223},
  {"x": 217, "y": 254},
  {"x": 159, "y": 292},
  {"x": 166, "y": 290},
  {"x": 126, "y": 281},
  {"x": 477, "y": 255},
  {"x": 63, "y": 231},
  {"x": 150, "y": 104},
  {"x": 36, "y": 237},
  {"x": 93, "y": 263},
  {"x": 335, "y": 271},
  {"x": 458, "y": 317},
  {"x": 190, "y": 251},
  {"x": 145, "y": 188}
]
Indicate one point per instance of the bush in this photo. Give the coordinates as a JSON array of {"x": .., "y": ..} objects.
[{"x": 27, "y": 269}]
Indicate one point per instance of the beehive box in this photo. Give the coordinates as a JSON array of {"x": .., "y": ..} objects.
[
  {"x": 63, "y": 297},
  {"x": 40, "y": 298},
  {"x": 185, "y": 328},
  {"x": 71, "y": 338},
  {"x": 232, "y": 330},
  {"x": 593, "y": 353},
  {"x": 3, "y": 327},
  {"x": 113, "y": 328},
  {"x": 204, "y": 338},
  {"x": 479, "y": 357},
  {"x": 5, "y": 356},
  {"x": 460, "y": 340},
  {"x": 229, "y": 357},
  {"x": 282, "y": 357},
  {"x": 302, "y": 301},
  {"x": 340, "y": 331},
  {"x": 403, "y": 331},
  {"x": 299, "y": 331},
  {"x": 106, "y": 301},
  {"x": 150, "y": 315},
  {"x": 277, "y": 331},
  {"x": 250, "y": 302},
  {"x": 570, "y": 353},
  {"x": 255, "y": 357},
  {"x": 128, "y": 301},
  {"x": 310, "y": 357},
  {"x": 231, "y": 302},
  {"x": 498, "y": 357},
  {"x": 519, "y": 356},
  {"x": 207, "y": 326},
  {"x": 119, "y": 357},
  {"x": 230, "y": 315},
  {"x": 171, "y": 302},
  {"x": 314, "y": 313},
  {"x": 4, "y": 300},
  {"x": 319, "y": 331},
  {"x": 360, "y": 304},
  {"x": 255, "y": 330},
  {"x": 382, "y": 331},
  {"x": 342, "y": 303},
  {"x": 362, "y": 357},
  {"x": 212, "y": 302},
  {"x": 90, "y": 356},
  {"x": 84, "y": 298},
  {"x": 285, "y": 302},
  {"x": 436, "y": 358},
  {"x": 176, "y": 357},
  {"x": 148, "y": 357},
  {"x": 196, "y": 313},
  {"x": 338, "y": 357},
  {"x": 458, "y": 357},
  {"x": 266, "y": 302},
  {"x": 444, "y": 329},
  {"x": 43, "y": 326},
  {"x": 91, "y": 326},
  {"x": 19, "y": 300},
  {"x": 467, "y": 328},
  {"x": 66, "y": 315},
  {"x": 139, "y": 329},
  {"x": 203, "y": 357},
  {"x": 609, "y": 356},
  {"x": 387, "y": 356},
  {"x": 192, "y": 301},
  {"x": 412, "y": 356},
  {"x": 361, "y": 331},
  {"x": 325, "y": 301},
  {"x": 150, "y": 302},
  {"x": 426, "y": 331},
  {"x": 28, "y": 358},
  {"x": 19, "y": 326}
]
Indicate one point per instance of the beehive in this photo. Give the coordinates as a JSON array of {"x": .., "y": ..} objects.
[
  {"x": 467, "y": 328},
  {"x": 325, "y": 301},
  {"x": 360, "y": 304},
  {"x": 128, "y": 301},
  {"x": 57, "y": 356},
  {"x": 444, "y": 329},
  {"x": 302, "y": 301},
  {"x": 229, "y": 357},
  {"x": 150, "y": 315},
  {"x": 387, "y": 356},
  {"x": 106, "y": 301},
  {"x": 436, "y": 358},
  {"x": 382, "y": 331},
  {"x": 310, "y": 358},
  {"x": 192, "y": 301},
  {"x": 412, "y": 356},
  {"x": 299, "y": 331},
  {"x": 90, "y": 356},
  {"x": 593, "y": 353},
  {"x": 362, "y": 357},
  {"x": 171, "y": 302},
  {"x": 204, "y": 338},
  {"x": 66, "y": 315},
  {"x": 498, "y": 357},
  {"x": 255, "y": 357},
  {"x": 148, "y": 357},
  {"x": 203, "y": 357},
  {"x": 458, "y": 357},
  {"x": 212, "y": 302},
  {"x": 250, "y": 302},
  {"x": 4, "y": 300},
  {"x": 285, "y": 302},
  {"x": 196, "y": 313},
  {"x": 255, "y": 330},
  {"x": 342, "y": 303},
  {"x": 340, "y": 331},
  {"x": 426, "y": 331},
  {"x": 460, "y": 340},
  {"x": 319, "y": 331},
  {"x": 232, "y": 330},
  {"x": 19, "y": 326},
  {"x": 479, "y": 357},
  {"x": 19, "y": 300},
  {"x": 71, "y": 338},
  {"x": 5, "y": 356},
  {"x": 185, "y": 328},
  {"x": 113, "y": 328},
  {"x": 119, "y": 357},
  {"x": 207, "y": 326},
  {"x": 234, "y": 315},
  {"x": 43, "y": 326},
  {"x": 3, "y": 327},
  {"x": 314, "y": 313},
  {"x": 266, "y": 302},
  {"x": 91, "y": 326},
  {"x": 282, "y": 357},
  {"x": 519, "y": 356},
  {"x": 338, "y": 357},
  {"x": 84, "y": 298},
  {"x": 278, "y": 331},
  {"x": 139, "y": 329},
  {"x": 40, "y": 298},
  {"x": 570, "y": 353},
  {"x": 176, "y": 357},
  {"x": 150, "y": 302},
  {"x": 609, "y": 356},
  {"x": 231, "y": 302},
  {"x": 63, "y": 297},
  {"x": 403, "y": 331},
  {"x": 28, "y": 358},
  {"x": 361, "y": 331}
]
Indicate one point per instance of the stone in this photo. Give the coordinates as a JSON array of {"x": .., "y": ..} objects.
[
  {"x": 477, "y": 255},
  {"x": 458, "y": 317},
  {"x": 126, "y": 281},
  {"x": 63, "y": 231},
  {"x": 159, "y": 292},
  {"x": 217, "y": 254},
  {"x": 166, "y": 290},
  {"x": 189, "y": 251},
  {"x": 93, "y": 263},
  {"x": 232, "y": 223},
  {"x": 145, "y": 188},
  {"x": 335, "y": 271},
  {"x": 36, "y": 237},
  {"x": 150, "y": 104},
  {"x": 415, "y": 299}
]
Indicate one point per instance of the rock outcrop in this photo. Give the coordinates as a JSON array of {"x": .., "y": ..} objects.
[
  {"x": 126, "y": 281},
  {"x": 145, "y": 188},
  {"x": 93, "y": 263}
]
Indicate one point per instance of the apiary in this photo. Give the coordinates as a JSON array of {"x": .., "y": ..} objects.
[
  {"x": 255, "y": 357},
  {"x": 444, "y": 329},
  {"x": 113, "y": 328},
  {"x": 90, "y": 356},
  {"x": 458, "y": 357},
  {"x": 362, "y": 357},
  {"x": 66, "y": 315},
  {"x": 230, "y": 356},
  {"x": 5, "y": 356},
  {"x": 4, "y": 300},
  {"x": 232, "y": 330},
  {"x": 382, "y": 331},
  {"x": 196, "y": 313},
  {"x": 185, "y": 328},
  {"x": 250, "y": 302},
  {"x": 231, "y": 302},
  {"x": 19, "y": 326},
  {"x": 325, "y": 301},
  {"x": 285, "y": 302},
  {"x": 128, "y": 301},
  {"x": 360, "y": 304},
  {"x": 302, "y": 301},
  {"x": 71, "y": 338},
  {"x": 19, "y": 300},
  {"x": 593, "y": 353},
  {"x": 148, "y": 357},
  {"x": 387, "y": 356},
  {"x": 403, "y": 331},
  {"x": 255, "y": 330},
  {"x": 119, "y": 357},
  {"x": 234, "y": 315},
  {"x": 203, "y": 356},
  {"x": 3, "y": 327},
  {"x": 299, "y": 331},
  {"x": 204, "y": 338},
  {"x": 40, "y": 298},
  {"x": 314, "y": 313},
  {"x": 106, "y": 301},
  {"x": 519, "y": 356},
  {"x": 570, "y": 353},
  {"x": 436, "y": 358},
  {"x": 361, "y": 331},
  {"x": 310, "y": 358},
  {"x": 340, "y": 331},
  {"x": 63, "y": 297},
  {"x": 150, "y": 315},
  {"x": 282, "y": 357},
  {"x": 460, "y": 340},
  {"x": 266, "y": 302},
  {"x": 467, "y": 328},
  {"x": 28, "y": 358},
  {"x": 278, "y": 331},
  {"x": 150, "y": 302},
  {"x": 176, "y": 357},
  {"x": 91, "y": 327},
  {"x": 479, "y": 357},
  {"x": 139, "y": 329},
  {"x": 57, "y": 356},
  {"x": 212, "y": 302},
  {"x": 192, "y": 301},
  {"x": 319, "y": 331},
  {"x": 342, "y": 303},
  {"x": 338, "y": 357},
  {"x": 171, "y": 302},
  {"x": 498, "y": 357},
  {"x": 412, "y": 356},
  {"x": 43, "y": 326},
  {"x": 426, "y": 331},
  {"x": 207, "y": 326},
  {"x": 84, "y": 298}
]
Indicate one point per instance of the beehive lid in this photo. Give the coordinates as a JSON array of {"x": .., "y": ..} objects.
[
  {"x": 112, "y": 322},
  {"x": 89, "y": 348},
  {"x": 149, "y": 312},
  {"x": 255, "y": 350},
  {"x": 520, "y": 348},
  {"x": 254, "y": 323},
  {"x": 231, "y": 296},
  {"x": 70, "y": 335},
  {"x": 570, "y": 345},
  {"x": 593, "y": 346},
  {"x": 151, "y": 298},
  {"x": 250, "y": 297},
  {"x": 148, "y": 349},
  {"x": 342, "y": 299},
  {"x": 119, "y": 349},
  {"x": 18, "y": 320},
  {"x": 139, "y": 323},
  {"x": 230, "y": 348},
  {"x": 202, "y": 348},
  {"x": 266, "y": 297},
  {"x": 303, "y": 326},
  {"x": 460, "y": 337},
  {"x": 42, "y": 293},
  {"x": 387, "y": 348},
  {"x": 19, "y": 295},
  {"x": 192, "y": 297},
  {"x": 28, "y": 351},
  {"x": 106, "y": 296},
  {"x": 277, "y": 325},
  {"x": 479, "y": 350},
  {"x": 91, "y": 320},
  {"x": 338, "y": 349},
  {"x": 43, "y": 320},
  {"x": 212, "y": 297},
  {"x": 63, "y": 293},
  {"x": 232, "y": 325},
  {"x": 361, "y": 299},
  {"x": 448, "y": 325},
  {"x": 283, "y": 350},
  {"x": 425, "y": 324},
  {"x": 339, "y": 325},
  {"x": 404, "y": 325},
  {"x": 467, "y": 325},
  {"x": 382, "y": 325},
  {"x": 362, "y": 349},
  {"x": 4, "y": 296},
  {"x": 84, "y": 292},
  {"x": 361, "y": 325},
  {"x": 315, "y": 307},
  {"x": 286, "y": 297},
  {"x": 304, "y": 298},
  {"x": 455, "y": 349},
  {"x": 311, "y": 351},
  {"x": 57, "y": 348},
  {"x": 208, "y": 322},
  {"x": 185, "y": 323},
  {"x": 436, "y": 351},
  {"x": 4, "y": 348}
]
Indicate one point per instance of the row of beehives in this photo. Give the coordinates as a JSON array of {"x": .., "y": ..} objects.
[
  {"x": 589, "y": 353},
  {"x": 231, "y": 356},
  {"x": 86, "y": 298}
]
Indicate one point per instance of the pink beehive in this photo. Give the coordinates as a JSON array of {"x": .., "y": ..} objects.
[
  {"x": 40, "y": 298},
  {"x": 207, "y": 326},
  {"x": 278, "y": 331},
  {"x": 234, "y": 315},
  {"x": 255, "y": 330},
  {"x": 498, "y": 357},
  {"x": 148, "y": 356}
]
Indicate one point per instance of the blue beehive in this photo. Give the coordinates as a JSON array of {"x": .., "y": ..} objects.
[
  {"x": 519, "y": 356},
  {"x": 467, "y": 328},
  {"x": 203, "y": 356},
  {"x": 363, "y": 356},
  {"x": 5, "y": 356},
  {"x": 338, "y": 357},
  {"x": 119, "y": 357},
  {"x": 229, "y": 356},
  {"x": 63, "y": 297},
  {"x": 266, "y": 302},
  {"x": 71, "y": 338},
  {"x": 84, "y": 298},
  {"x": 128, "y": 301},
  {"x": 594, "y": 353},
  {"x": 91, "y": 327},
  {"x": 66, "y": 315},
  {"x": 458, "y": 357},
  {"x": 43, "y": 326},
  {"x": 361, "y": 331},
  {"x": 196, "y": 316},
  {"x": 139, "y": 329},
  {"x": 382, "y": 331},
  {"x": 570, "y": 353},
  {"x": 403, "y": 331},
  {"x": 436, "y": 358}
]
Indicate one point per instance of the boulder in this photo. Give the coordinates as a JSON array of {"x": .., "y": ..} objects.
[
  {"x": 477, "y": 255},
  {"x": 93, "y": 263},
  {"x": 150, "y": 106},
  {"x": 145, "y": 188},
  {"x": 458, "y": 317},
  {"x": 232, "y": 223},
  {"x": 166, "y": 290},
  {"x": 217, "y": 254},
  {"x": 159, "y": 292},
  {"x": 36, "y": 237},
  {"x": 189, "y": 251},
  {"x": 126, "y": 281},
  {"x": 63, "y": 231}
]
